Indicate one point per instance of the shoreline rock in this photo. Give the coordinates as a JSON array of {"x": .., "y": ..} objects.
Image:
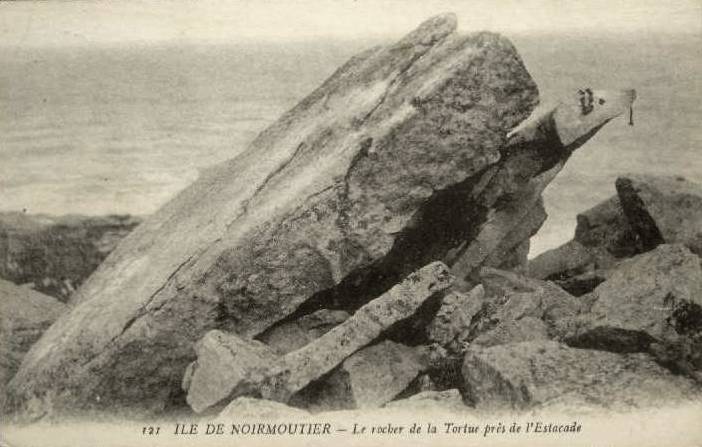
[
  {"x": 56, "y": 254},
  {"x": 325, "y": 209}
]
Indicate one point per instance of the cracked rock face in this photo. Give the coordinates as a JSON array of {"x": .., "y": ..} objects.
[{"x": 321, "y": 211}]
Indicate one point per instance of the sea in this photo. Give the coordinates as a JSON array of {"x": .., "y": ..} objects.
[{"x": 121, "y": 129}]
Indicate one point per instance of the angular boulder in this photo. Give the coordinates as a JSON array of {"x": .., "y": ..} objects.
[
  {"x": 239, "y": 373},
  {"x": 518, "y": 308},
  {"x": 450, "y": 325},
  {"x": 298, "y": 368},
  {"x": 293, "y": 335},
  {"x": 663, "y": 209},
  {"x": 56, "y": 254},
  {"x": 325, "y": 209},
  {"x": 532, "y": 374},
  {"x": 652, "y": 300},
  {"x": 369, "y": 378},
  {"x": 223, "y": 361},
  {"x": 24, "y": 316}
]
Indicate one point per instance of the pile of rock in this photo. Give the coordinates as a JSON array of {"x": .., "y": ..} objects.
[{"x": 369, "y": 249}]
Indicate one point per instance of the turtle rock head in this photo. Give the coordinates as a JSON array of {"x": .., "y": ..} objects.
[{"x": 580, "y": 116}]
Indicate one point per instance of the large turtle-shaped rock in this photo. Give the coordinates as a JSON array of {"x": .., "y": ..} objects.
[{"x": 400, "y": 158}]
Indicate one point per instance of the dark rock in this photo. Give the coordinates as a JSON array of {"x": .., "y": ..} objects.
[
  {"x": 56, "y": 254},
  {"x": 363, "y": 182},
  {"x": 293, "y": 335},
  {"x": 534, "y": 374},
  {"x": 369, "y": 378}
]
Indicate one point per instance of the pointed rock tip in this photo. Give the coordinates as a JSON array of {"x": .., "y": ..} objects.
[{"x": 434, "y": 29}]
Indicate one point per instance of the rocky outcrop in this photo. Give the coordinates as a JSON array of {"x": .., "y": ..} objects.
[
  {"x": 646, "y": 212},
  {"x": 532, "y": 374},
  {"x": 24, "y": 316},
  {"x": 54, "y": 255},
  {"x": 375, "y": 174},
  {"x": 241, "y": 368},
  {"x": 368, "y": 379}
]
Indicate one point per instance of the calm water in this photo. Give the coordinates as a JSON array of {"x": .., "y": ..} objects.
[{"x": 122, "y": 129}]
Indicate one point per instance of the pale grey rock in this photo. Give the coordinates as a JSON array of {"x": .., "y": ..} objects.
[
  {"x": 650, "y": 293},
  {"x": 223, "y": 361}
]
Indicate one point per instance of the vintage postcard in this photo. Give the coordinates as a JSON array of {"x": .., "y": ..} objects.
[{"x": 444, "y": 222}]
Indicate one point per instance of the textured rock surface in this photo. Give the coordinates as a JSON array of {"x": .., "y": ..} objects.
[
  {"x": 24, "y": 316},
  {"x": 651, "y": 303},
  {"x": 603, "y": 237},
  {"x": 293, "y": 335},
  {"x": 449, "y": 326},
  {"x": 56, "y": 254},
  {"x": 530, "y": 374},
  {"x": 223, "y": 361},
  {"x": 298, "y": 368},
  {"x": 663, "y": 209},
  {"x": 647, "y": 211},
  {"x": 369, "y": 378},
  {"x": 234, "y": 367},
  {"x": 510, "y": 191},
  {"x": 518, "y": 308},
  {"x": 332, "y": 197}
]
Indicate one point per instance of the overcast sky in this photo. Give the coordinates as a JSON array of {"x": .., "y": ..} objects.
[{"x": 71, "y": 23}]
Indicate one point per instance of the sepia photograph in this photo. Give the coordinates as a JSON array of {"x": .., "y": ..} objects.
[{"x": 350, "y": 222}]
